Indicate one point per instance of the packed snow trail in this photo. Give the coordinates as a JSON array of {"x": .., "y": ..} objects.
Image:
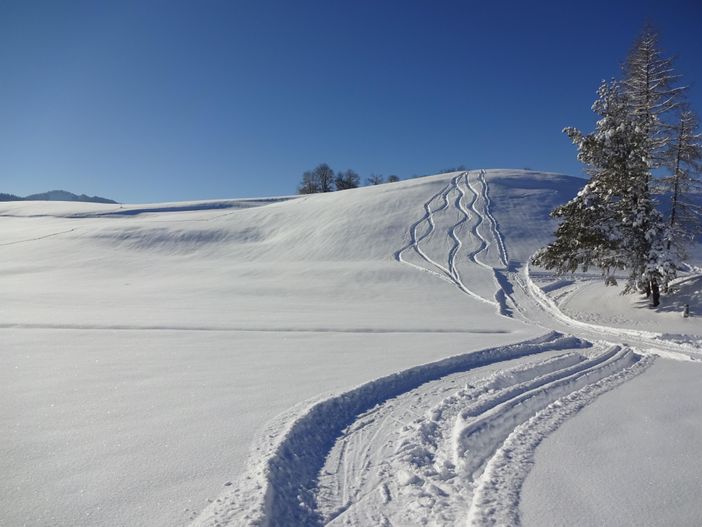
[
  {"x": 415, "y": 459},
  {"x": 280, "y": 486}
]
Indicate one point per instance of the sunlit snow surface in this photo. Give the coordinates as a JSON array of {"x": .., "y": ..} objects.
[{"x": 146, "y": 350}]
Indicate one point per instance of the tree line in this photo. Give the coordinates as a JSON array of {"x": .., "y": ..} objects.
[
  {"x": 646, "y": 148},
  {"x": 323, "y": 179}
]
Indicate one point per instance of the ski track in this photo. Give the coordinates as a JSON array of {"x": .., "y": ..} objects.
[
  {"x": 450, "y": 272},
  {"x": 452, "y": 232},
  {"x": 500, "y": 295},
  {"x": 475, "y": 230},
  {"x": 504, "y": 258},
  {"x": 441, "y": 443}
]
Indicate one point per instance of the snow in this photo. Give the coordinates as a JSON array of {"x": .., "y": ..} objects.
[
  {"x": 615, "y": 466},
  {"x": 169, "y": 363}
]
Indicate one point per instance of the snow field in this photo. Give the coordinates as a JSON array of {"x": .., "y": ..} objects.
[
  {"x": 137, "y": 340},
  {"x": 629, "y": 458}
]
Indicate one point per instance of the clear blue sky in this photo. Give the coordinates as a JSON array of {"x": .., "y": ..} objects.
[{"x": 171, "y": 100}]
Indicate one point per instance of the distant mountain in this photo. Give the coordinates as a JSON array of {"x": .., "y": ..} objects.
[{"x": 56, "y": 195}]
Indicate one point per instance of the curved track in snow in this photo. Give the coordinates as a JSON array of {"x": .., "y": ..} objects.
[
  {"x": 450, "y": 273},
  {"x": 443, "y": 443},
  {"x": 504, "y": 258}
]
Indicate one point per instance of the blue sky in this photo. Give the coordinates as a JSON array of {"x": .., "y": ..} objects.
[{"x": 172, "y": 100}]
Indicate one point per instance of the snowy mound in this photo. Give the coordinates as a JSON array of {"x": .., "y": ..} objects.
[{"x": 239, "y": 267}]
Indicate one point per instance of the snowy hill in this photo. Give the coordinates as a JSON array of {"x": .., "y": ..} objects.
[{"x": 157, "y": 355}]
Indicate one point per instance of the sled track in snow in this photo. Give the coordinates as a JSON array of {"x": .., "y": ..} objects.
[
  {"x": 500, "y": 295},
  {"x": 440, "y": 446}
]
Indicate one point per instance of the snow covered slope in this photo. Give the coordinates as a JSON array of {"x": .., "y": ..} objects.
[{"x": 149, "y": 351}]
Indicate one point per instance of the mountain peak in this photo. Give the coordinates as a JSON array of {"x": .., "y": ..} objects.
[{"x": 56, "y": 195}]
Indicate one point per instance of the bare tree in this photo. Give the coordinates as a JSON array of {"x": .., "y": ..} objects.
[
  {"x": 309, "y": 184},
  {"x": 375, "y": 179},
  {"x": 684, "y": 158},
  {"x": 325, "y": 177},
  {"x": 347, "y": 179},
  {"x": 321, "y": 179},
  {"x": 649, "y": 85}
]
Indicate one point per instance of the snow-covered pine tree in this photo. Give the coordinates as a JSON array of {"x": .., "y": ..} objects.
[
  {"x": 588, "y": 234},
  {"x": 583, "y": 238},
  {"x": 684, "y": 161},
  {"x": 612, "y": 223}
]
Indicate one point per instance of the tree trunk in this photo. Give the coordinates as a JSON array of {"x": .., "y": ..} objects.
[
  {"x": 656, "y": 294},
  {"x": 647, "y": 288}
]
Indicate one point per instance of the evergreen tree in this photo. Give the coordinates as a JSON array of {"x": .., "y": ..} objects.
[
  {"x": 612, "y": 223},
  {"x": 583, "y": 237}
]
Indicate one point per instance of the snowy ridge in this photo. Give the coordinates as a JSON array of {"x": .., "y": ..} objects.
[
  {"x": 307, "y": 297},
  {"x": 496, "y": 499},
  {"x": 278, "y": 488}
]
